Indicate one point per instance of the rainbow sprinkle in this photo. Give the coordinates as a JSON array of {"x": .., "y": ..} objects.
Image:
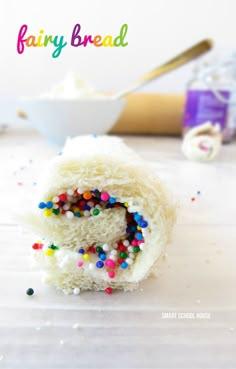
[{"x": 78, "y": 203}]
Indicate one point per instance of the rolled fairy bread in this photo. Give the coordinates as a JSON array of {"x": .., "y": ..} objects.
[
  {"x": 103, "y": 216},
  {"x": 149, "y": 113}
]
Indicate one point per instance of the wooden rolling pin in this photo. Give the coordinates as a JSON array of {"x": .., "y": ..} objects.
[{"x": 151, "y": 114}]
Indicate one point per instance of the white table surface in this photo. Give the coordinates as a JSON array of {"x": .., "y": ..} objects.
[{"x": 126, "y": 330}]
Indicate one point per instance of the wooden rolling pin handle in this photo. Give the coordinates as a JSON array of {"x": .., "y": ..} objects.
[{"x": 151, "y": 114}]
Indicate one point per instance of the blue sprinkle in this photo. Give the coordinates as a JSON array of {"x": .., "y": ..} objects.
[
  {"x": 139, "y": 236},
  {"x": 112, "y": 200},
  {"x": 86, "y": 207},
  {"x": 77, "y": 215},
  {"x": 49, "y": 205},
  {"x": 102, "y": 256},
  {"x": 128, "y": 230},
  {"x": 124, "y": 265},
  {"x": 42, "y": 205},
  {"x": 99, "y": 264},
  {"x": 137, "y": 217},
  {"x": 81, "y": 251},
  {"x": 133, "y": 228},
  {"x": 60, "y": 153},
  {"x": 95, "y": 135},
  {"x": 143, "y": 224},
  {"x": 108, "y": 206}
]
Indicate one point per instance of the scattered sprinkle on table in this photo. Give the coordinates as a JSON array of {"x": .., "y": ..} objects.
[
  {"x": 108, "y": 290},
  {"x": 30, "y": 291}
]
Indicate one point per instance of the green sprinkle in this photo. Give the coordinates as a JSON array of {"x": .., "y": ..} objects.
[
  {"x": 99, "y": 249},
  {"x": 136, "y": 249},
  {"x": 97, "y": 194},
  {"x": 123, "y": 255},
  {"x": 54, "y": 247},
  {"x": 30, "y": 292},
  {"x": 56, "y": 211},
  {"x": 96, "y": 212}
]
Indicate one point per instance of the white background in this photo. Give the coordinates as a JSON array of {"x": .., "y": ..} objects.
[{"x": 158, "y": 30}]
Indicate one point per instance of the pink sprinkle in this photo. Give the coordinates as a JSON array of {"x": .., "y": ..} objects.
[
  {"x": 139, "y": 242},
  {"x": 203, "y": 146},
  {"x": 110, "y": 263},
  {"x": 80, "y": 264},
  {"x": 19, "y": 183},
  {"x": 108, "y": 290},
  {"x": 105, "y": 196},
  {"x": 134, "y": 243},
  {"x": 111, "y": 274}
]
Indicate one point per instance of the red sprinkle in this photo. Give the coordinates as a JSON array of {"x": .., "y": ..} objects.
[
  {"x": 111, "y": 274},
  {"x": 108, "y": 290},
  {"x": 35, "y": 246},
  {"x": 120, "y": 261},
  {"x": 193, "y": 199},
  {"x": 122, "y": 248},
  {"x": 91, "y": 249},
  {"x": 82, "y": 203},
  {"x": 63, "y": 197}
]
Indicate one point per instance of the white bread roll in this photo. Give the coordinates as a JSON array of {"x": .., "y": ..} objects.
[{"x": 107, "y": 165}]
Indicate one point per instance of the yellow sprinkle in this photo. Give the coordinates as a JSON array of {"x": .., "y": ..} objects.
[
  {"x": 49, "y": 252},
  {"x": 86, "y": 256},
  {"x": 75, "y": 210},
  {"x": 126, "y": 204},
  {"x": 39, "y": 241},
  {"x": 139, "y": 228},
  {"x": 47, "y": 212}
]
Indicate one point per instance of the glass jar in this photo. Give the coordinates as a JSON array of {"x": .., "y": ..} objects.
[{"x": 211, "y": 96}]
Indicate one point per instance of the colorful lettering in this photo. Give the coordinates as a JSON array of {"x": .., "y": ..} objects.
[
  {"x": 42, "y": 40},
  {"x": 107, "y": 41},
  {"x": 97, "y": 41},
  {"x": 59, "y": 46},
  {"x": 119, "y": 40}
]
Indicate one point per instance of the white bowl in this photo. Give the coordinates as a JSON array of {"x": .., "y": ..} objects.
[{"x": 58, "y": 119}]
